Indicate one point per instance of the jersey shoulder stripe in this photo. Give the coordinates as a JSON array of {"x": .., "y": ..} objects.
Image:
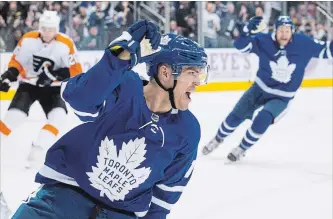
[{"x": 63, "y": 38}]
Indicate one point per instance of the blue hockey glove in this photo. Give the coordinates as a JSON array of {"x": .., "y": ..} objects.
[
  {"x": 254, "y": 26},
  {"x": 132, "y": 39}
]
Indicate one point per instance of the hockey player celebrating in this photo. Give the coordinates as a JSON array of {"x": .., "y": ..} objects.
[
  {"x": 41, "y": 60},
  {"x": 283, "y": 56},
  {"x": 135, "y": 154}
]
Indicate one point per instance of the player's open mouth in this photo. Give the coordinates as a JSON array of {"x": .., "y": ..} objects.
[{"x": 188, "y": 94}]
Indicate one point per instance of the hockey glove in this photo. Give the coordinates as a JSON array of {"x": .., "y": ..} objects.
[
  {"x": 7, "y": 78},
  {"x": 254, "y": 26},
  {"x": 135, "y": 39},
  {"x": 48, "y": 76}
]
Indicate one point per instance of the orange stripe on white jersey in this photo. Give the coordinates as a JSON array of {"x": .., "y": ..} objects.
[
  {"x": 13, "y": 62},
  {"x": 75, "y": 67},
  {"x": 51, "y": 129},
  {"x": 4, "y": 129}
]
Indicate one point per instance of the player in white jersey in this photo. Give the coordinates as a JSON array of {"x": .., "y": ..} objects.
[{"x": 41, "y": 60}]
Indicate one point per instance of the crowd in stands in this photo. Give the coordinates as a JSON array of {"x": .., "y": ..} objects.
[
  {"x": 92, "y": 24},
  {"x": 221, "y": 20}
]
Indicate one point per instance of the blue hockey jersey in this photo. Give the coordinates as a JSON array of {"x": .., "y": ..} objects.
[
  {"x": 124, "y": 155},
  {"x": 281, "y": 69}
]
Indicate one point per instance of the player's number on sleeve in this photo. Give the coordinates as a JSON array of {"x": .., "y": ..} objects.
[
  {"x": 17, "y": 50},
  {"x": 72, "y": 59}
]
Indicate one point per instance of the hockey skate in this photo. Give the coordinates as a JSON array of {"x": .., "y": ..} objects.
[
  {"x": 4, "y": 210},
  {"x": 35, "y": 156},
  {"x": 211, "y": 146},
  {"x": 236, "y": 154}
]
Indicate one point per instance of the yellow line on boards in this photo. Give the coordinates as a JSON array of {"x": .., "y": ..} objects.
[
  {"x": 220, "y": 86},
  {"x": 243, "y": 85}
]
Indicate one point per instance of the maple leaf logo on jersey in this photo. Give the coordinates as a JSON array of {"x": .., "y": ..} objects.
[
  {"x": 39, "y": 62},
  {"x": 165, "y": 40},
  {"x": 282, "y": 70},
  {"x": 116, "y": 175}
]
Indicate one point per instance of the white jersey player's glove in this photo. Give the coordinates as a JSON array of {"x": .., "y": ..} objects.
[
  {"x": 141, "y": 40},
  {"x": 7, "y": 78},
  {"x": 47, "y": 77}
]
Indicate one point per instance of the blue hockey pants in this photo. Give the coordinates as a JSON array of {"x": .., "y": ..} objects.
[{"x": 61, "y": 201}]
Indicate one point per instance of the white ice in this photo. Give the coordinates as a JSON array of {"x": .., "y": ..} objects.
[{"x": 286, "y": 175}]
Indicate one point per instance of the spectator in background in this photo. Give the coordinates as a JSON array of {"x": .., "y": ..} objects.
[
  {"x": 90, "y": 42},
  {"x": 319, "y": 32},
  {"x": 259, "y": 11},
  {"x": 77, "y": 31},
  {"x": 211, "y": 25},
  {"x": 2, "y": 45},
  {"x": 35, "y": 25},
  {"x": 3, "y": 26},
  {"x": 182, "y": 14},
  {"x": 49, "y": 5},
  {"x": 96, "y": 17},
  {"x": 111, "y": 18},
  {"x": 243, "y": 14},
  {"x": 191, "y": 30},
  {"x": 302, "y": 26},
  {"x": 228, "y": 24},
  {"x": 11, "y": 44},
  {"x": 311, "y": 9},
  {"x": 302, "y": 11},
  {"x": 63, "y": 14},
  {"x": 14, "y": 15},
  {"x": 18, "y": 33},
  {"x": 221, "y": 9},
  {"x": 31, "y": 14},
  {"x": 293, "y": 15},
  {"x": 174, "y": 28},
  {"x": 57, "y": 7},
  {"x": 83, "y": 15},
  {"x": 124, "y": 16}
]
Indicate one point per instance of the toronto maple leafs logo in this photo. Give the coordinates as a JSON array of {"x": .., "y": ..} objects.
[
  {"x": 165, "y": 40},
  {"x": 116, "y": 175},
  {"x": 282, "y": 70}
]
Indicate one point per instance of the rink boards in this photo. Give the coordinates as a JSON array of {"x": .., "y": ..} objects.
[{"x": 229, "y": 70}]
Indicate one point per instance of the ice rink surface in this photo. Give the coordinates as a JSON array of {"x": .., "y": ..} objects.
[{"x": 287, "y": 175}]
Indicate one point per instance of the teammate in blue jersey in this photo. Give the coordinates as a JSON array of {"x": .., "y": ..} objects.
[
  {"x": 135, "y": 154},
  {"x": 283, "y": 56}
]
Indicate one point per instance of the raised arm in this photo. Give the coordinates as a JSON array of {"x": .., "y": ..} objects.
[
  {"x": 87, "y": 93},
  {"x": 247, "y": 41},
  {"x": 321, "y": 49}
]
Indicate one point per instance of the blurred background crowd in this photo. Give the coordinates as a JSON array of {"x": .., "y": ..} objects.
[{"x": 93, "y": 24}]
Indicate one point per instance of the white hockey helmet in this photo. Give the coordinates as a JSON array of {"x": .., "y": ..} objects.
[{"x": 49, "y": 19}]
